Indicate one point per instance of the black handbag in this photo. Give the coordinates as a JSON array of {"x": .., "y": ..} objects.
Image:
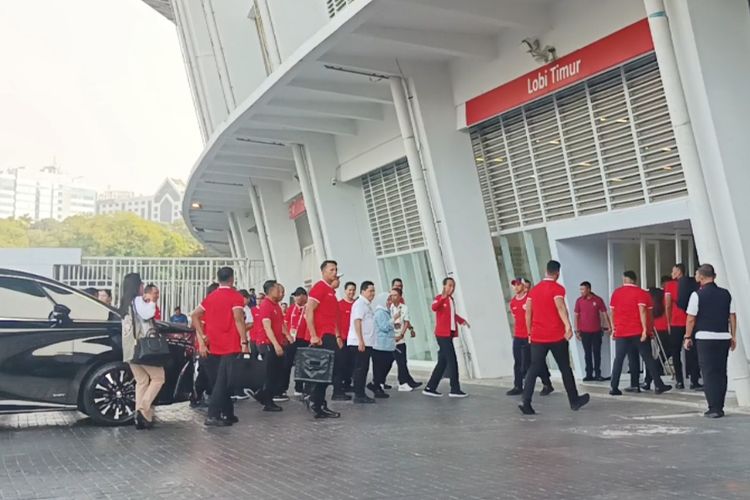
[
  {"x": 313, "y": 364},
  {"x": 248, "y": 371},
  {"x": 152, "y": 349}
]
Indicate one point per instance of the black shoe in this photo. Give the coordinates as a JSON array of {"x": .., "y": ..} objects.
[
  {"x": 514, "y": 392},
  {"x": 281, "y": 398},
  {"x": 340, "y": 396},
  {"x": 381, "y": 394},
  {"x": 526, "y": 409},
  {"x": 458, "y": 394},
  {"x": 546, "y": 390},
  {"x": 216, "y": 422},
  {"x": 696, "y": 387},
  {"x": 646, "y": 387},
  {"x": 662, "y": 389},
  {"x": 329, "y": 413},
  {"x": 633, "y": 389},
  {"x": 348, "y": 389},
  {"x": 363, "y": 400},
  {"x": 140, "y": 421},
  {"x": 679, "y": 385},
  {"x": 415, "y": 385},
  {"x": 272, "y": 407},
  {"x": 387, "y": 387},
  {"x": 231, "y": 420},
  {"x": 714, "y": 414},
  {"x": 615, "y": 392},
  {"x": 582, "y": 401},
  {"x": 431, "y": 392},
  {"x": 599, "y": 378},
  {"x": 588, "y": 378}
]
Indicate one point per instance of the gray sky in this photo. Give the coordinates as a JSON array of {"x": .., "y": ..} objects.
[{"x": 100, "y": 86}]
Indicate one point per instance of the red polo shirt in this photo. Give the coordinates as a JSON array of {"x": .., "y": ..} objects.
[
  {"x": 589, "y": 311},
  {"x": 326, "y": 315},
  {"x": 679, "y": 316},
  {"x": 256, "y": 331},
  {"x": 518, "y": 310},
  {"x": 271, "y": 310},
  {"x": 295, "y": 320},
  {"x": 220, "y": 327},
  {"x": 345, "y": 316},
  {"x": 625, "y": 304},
  {"x": 546, "y": 325}
]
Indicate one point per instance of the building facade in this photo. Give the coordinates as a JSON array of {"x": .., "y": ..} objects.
[
  {"x": 164, "y": 206},
  {"x": 46, "y": 193},
  {"x": 473, "y": 139}
]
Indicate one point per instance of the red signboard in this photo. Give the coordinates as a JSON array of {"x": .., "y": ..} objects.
[
  {"x": 617, "y": 48},
  {"x": 296, "y": 208}
]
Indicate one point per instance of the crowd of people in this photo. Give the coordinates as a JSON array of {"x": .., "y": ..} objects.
[{"x": 371, "y": 330}]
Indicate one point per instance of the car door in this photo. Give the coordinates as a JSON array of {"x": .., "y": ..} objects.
[{"x": 36, "y": 355}]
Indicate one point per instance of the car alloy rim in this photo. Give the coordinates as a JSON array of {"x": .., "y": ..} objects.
[{"x": 114, "y": 395}]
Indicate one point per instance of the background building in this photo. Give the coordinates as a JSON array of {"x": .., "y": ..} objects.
[
  {"x": 474, "y": 139},
  {"x": 163, "y": 206},
  {"x": 46, "y": 193}
]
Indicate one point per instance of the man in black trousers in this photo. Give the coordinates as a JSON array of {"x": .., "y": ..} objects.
[{"x": 712, "y": 330}]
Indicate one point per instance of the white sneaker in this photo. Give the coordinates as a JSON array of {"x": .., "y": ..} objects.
[
  {"x": 297, "y": 394},
  {"x": 405, "y": 388}
]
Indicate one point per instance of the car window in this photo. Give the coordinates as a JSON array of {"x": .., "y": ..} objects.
[
  {"x": 82, "y": 307},
  {"x": 23, "y": 299}
]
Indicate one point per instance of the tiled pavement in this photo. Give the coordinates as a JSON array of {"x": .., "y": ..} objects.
[{"x": 408, "y": 447}]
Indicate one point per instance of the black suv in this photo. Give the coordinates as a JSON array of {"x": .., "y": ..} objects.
[{"x": 61, "y": 349}]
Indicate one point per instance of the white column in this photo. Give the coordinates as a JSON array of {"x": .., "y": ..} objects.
[
  {"x": 715, "y": 228},
  {"x": 269, "y": 33},
  {"x": 260, "y": 224},
  {"x": 311, "y": 203}
]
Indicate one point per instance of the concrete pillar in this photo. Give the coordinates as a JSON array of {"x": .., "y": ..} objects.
[
  {"x": 260, "y": 225},
  {"x": 710, "y": 42},
  {"x": 462, "y": 223},
  {"x": 311, "y": 203}
]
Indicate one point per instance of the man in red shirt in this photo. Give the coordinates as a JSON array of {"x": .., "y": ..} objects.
[
  {"x": 347, "y": 357},
  {"x": 589, "y": 310},
  {"x": 630, "y": 306},
  {"x": 221, "y": 339},
  {"x": 297, "y": 327},
  {"x": 272, "y": 344},
  {"x": 521, "y": 347},
  {"x": 322, "y": 322},
  {"x": 549, "y": 330},
  {"x": 677, "y": 319}
]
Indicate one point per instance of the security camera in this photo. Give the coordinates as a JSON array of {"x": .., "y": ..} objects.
[{"x": 334, "y": 181}]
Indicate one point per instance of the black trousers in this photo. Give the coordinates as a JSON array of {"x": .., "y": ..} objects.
[
  {"x": 631, "y": 347},
  {"x": 522, "y": 363},
  {"x": 692, "y": 365},
  {"x": 290, "y": 355},
  {"x": 676, "y": 339},
  {"x": 202, "y": 383},
  {"x": 446, "y": 361},
  {"x": 592, "y": 349},
  {"x": 318, "y": 391},
  {"x": 219, "y": 373},
  {"x": 340, "y": 369},
  {"x": 275, "y": 367},
  {"x": 347, "y": 371},
  {"x": 361, "y": 367},
  {"x": 713, "y": 356},
  {"x": 664, "y": 337},
  {"x": 538, "y": 364},
  {"x": 404, "y": 377},
  {"x": 381, "y": 365}
]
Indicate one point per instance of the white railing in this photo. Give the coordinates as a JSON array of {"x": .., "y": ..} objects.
[{"x": 182, "y": 281}]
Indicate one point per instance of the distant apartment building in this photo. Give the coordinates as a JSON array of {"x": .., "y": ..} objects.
[
  {"x": 163, "y": 206},
  {"x": 46, "y": 193}
]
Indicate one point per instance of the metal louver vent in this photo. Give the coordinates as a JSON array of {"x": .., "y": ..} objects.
[
  {"x": 334, "y": 6},
  {"x": 599, "y": 145},
  {"x": 392, "y": 209}
]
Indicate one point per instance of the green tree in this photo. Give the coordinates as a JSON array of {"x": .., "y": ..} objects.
[{"x": 13, "y": 233}]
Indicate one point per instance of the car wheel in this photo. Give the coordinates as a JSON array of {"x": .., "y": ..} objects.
[{"x": 109, "y": 395}]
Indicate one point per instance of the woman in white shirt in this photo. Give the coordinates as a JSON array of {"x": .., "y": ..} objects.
[{"x": 139, "y": 309}]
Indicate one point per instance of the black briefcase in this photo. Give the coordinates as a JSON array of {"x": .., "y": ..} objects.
[
  {"x": 313, "y": 364},
  {"x": 248, "y": 371}
]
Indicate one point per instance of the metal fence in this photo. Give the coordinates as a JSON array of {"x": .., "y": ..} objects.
[{"x": 182, "y": 281}]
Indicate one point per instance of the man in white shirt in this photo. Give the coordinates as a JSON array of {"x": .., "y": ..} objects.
[
  {"x": 360, "y": 339},
  {"x": 402, "y": 325},
  {"x": 711, "y": 316}
]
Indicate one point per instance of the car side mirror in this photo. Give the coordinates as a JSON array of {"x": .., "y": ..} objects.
[{"x": 60, "y": 314}]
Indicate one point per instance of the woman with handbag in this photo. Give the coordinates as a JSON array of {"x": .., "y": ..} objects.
[{"x": 138, "y": 312}]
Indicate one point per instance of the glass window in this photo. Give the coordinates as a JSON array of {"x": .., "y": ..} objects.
[
  {"x": 23, "y": 299},
  {"x": 82, "y": 308}
]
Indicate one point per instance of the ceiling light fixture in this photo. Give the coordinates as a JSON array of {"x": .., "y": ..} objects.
[{"x": 196, "y": 205}]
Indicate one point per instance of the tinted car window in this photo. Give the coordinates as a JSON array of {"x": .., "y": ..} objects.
[
  {"x": 23, "y": 299},
  {"x": 82, "y": 308}
]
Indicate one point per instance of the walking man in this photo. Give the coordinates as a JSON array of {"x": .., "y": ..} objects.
[
  {"x": 272, "y": 344},
  {"x": 360, "y": 340},
  {"x": 297, "y": 327},
  {"x": 321, "y": 315},
  {"x": 447, "y": 322},
  {"x": 589, "y": 310},
  {"x": 677, "y": 318},
  {"x": 402, "y": 325},
  {"x": 711, "y": 328},
  {"x": 549, "y": 327},
  {"x": 345, "y": 317},
  {"x": 521, "y": 347},
  {"x": 224, "y": 331},
  {"x": 630, "y": 306}
]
